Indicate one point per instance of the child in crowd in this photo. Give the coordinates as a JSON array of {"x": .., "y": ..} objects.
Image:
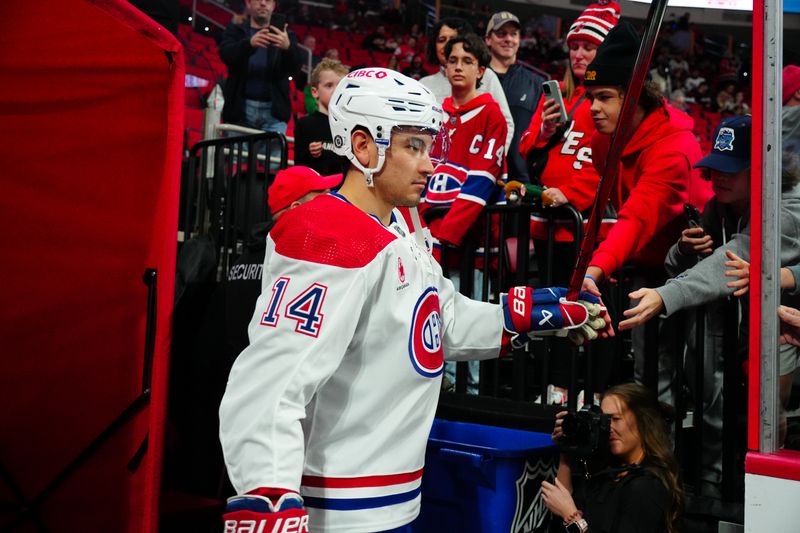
[
  {"x": 475, "y": 168},
  {"x": 312, "y": 134},
  {"x": 698, "y": 262}
]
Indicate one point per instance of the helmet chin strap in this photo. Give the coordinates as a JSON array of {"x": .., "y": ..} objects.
[{"x": 369, "y": 173}]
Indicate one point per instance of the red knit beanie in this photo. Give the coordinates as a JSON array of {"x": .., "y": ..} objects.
[
  {"x": 595, "y": 22},
  {"x": 791, "y": 81}
]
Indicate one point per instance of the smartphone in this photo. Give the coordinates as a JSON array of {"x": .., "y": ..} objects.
[
  {"x": 553, "y": 92},
  {"x": 692, "y": 215},
  {"x": 278, "y": 20}
]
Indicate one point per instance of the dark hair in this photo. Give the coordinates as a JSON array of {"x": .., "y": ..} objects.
[
  {"x": 650, "y": 98},
  {"x": 652, "y": 423},
  {"x": 458, "y": 24},
  {"x": 472, "y": 45},
  {"x": 790, "y": 165}
]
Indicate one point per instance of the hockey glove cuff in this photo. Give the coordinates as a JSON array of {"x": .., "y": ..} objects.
[
  {"x": 541, "y": 311},
  {"x": 277, "y": 510}
]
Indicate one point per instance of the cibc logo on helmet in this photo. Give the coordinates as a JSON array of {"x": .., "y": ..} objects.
[{"x": 367, "y": 73}]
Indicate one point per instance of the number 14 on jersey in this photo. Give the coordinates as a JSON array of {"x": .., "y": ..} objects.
[{"x": 305, "y": 309}]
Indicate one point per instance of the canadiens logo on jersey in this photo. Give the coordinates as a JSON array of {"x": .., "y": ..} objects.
[
  {"x": 445, "y": 184},
  {"x": 425, "y": 337}
]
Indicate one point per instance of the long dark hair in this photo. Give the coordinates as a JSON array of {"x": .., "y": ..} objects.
[
  {"x": 458, "y": 24},
  {"x": 652, "y": 423}
]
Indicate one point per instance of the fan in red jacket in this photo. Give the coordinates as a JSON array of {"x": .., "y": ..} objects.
[
  {"x": 656, "y": 174},
  {"x": 569, "y": 174},
  {"x": 656, "y": 177},
  {"x": 473, "y": 174}
]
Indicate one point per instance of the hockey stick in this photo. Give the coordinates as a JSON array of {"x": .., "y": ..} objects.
[{"x": 620, "y": 138}]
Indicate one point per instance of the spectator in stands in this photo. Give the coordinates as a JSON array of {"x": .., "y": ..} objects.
[
  {"x": 740, "y": 105},
  {"x": 790, "y": 114},
  {"x": 637, "y": 490},
  {"x": 475, "y": 168},
  {"x": 313, "y": 143},
  {"x": 332, "y": 53},
  {"x": 260, "y": 59},
  {"x": 417, "y": 69},
  {"x": 439, "y": 35},
  {"x": 655, "y": 176},
  {"x": 725, "y": 229},
  {"x": 729, "y": 66},
  {"x": 726, "y": 99},
  {"x": 521, "y": 86},
  {"x": 561, "y": 155},
  {"x": 678, "y": 100},
  {"x": 375, "y": 40},
  {"x": 406, "y": 51},
  {"x": 310, "y": 43},
  {"x": 695, "y": 79},
  {"x": 473, "y": 174},
  {"x": 292, "y": 187},
  {"x": 702, "y": 96}
]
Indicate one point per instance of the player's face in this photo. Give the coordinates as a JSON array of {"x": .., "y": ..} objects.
[
  {"x": 328, "y": 80},
  {"x": 445, "y": 34},
  {"x": 463, "y": 70},
  {"x": 733, "y": 189},
  {"x": 606, "y": 106},
  {"x": 581, "y": 54},
  {"x": 624, "y": 441},
  {"x": 260, "y": 10},
  {"x": 504, "y": 42},
  {"x": 406, "y": 169}
]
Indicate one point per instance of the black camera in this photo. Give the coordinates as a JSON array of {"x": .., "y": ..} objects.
[{"x": 586, "y": 432}]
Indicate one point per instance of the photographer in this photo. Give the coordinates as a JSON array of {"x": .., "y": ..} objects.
[{"x": 636, "y": 489}]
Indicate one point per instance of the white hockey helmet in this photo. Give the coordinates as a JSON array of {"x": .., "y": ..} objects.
[{"x": 380, "y": 100}]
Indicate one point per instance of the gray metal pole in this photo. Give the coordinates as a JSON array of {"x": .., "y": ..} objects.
[{"x": 770, "y": 223}]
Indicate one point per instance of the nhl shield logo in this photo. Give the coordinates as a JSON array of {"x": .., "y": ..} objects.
[
  {"x": 531, "y": 515},
  {"x": 724, "y": 140}
]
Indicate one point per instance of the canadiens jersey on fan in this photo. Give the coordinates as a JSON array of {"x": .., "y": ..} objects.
[
  {"x": 336, "y": 394},
  {"x": 475, "y": 169}
]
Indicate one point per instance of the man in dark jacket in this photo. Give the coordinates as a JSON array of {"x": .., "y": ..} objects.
[
  {"x": 260, "y": 57},
  {"x": 521, "y": 86}
]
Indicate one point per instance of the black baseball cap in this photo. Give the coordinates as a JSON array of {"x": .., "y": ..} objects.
[{"x": 731, "y": 151}]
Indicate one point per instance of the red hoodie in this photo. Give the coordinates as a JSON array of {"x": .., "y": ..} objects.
[
  {"x": 569, "y": 165},
  {"x": 655, "y": 179},
  {"x": 475, "y": 170}
]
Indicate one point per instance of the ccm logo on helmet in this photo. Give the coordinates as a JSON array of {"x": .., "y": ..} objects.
[
  {"x": 425, "y": 337},
  {"x": 367, "y": 73}
]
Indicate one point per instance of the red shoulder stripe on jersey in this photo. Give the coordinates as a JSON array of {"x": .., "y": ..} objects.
[
  {"x": 330, "y": 231},
  {"x": 355, "y": 482}
]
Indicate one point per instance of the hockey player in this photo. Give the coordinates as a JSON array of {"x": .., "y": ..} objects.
[
  {"x": 474, "y": 171},
  {"x": 326, "y": 414}
]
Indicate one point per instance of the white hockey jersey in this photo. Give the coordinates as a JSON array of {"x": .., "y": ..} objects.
[{"x": 336, "y": 394}]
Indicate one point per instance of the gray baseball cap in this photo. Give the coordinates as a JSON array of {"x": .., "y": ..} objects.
[{"x": 500, "y": 18}]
